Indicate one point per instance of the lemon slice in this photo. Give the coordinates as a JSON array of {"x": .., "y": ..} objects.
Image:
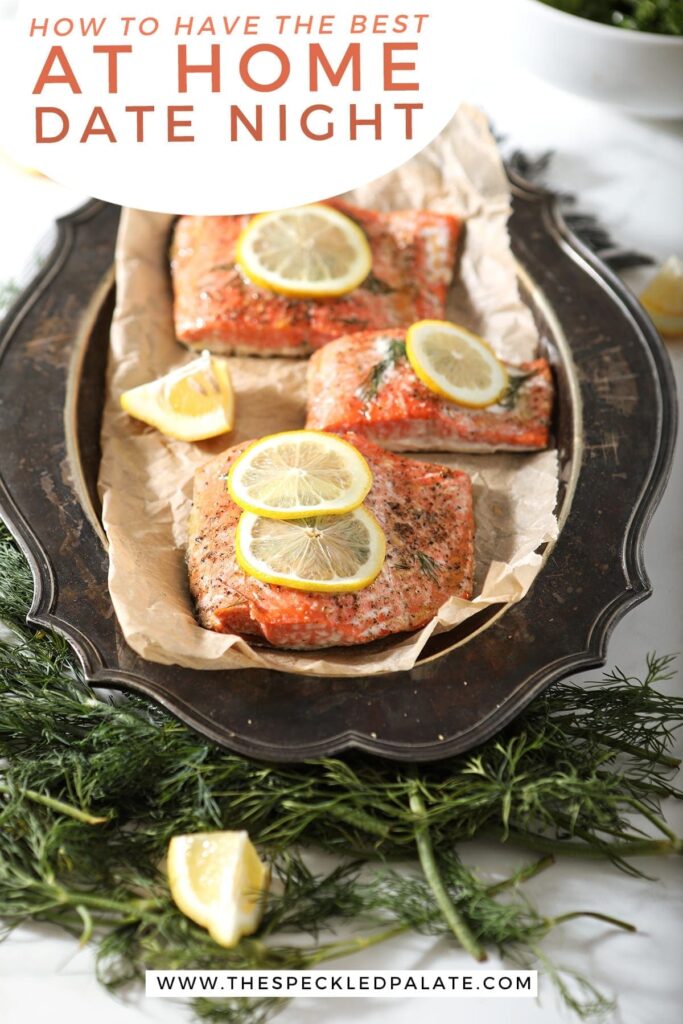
[
  {"x": 455, "y": 363},
  {"x": 299, "y": 473},
  {"x": 217, "y": 880},
  {"x": 663, "y": 298},
  {"x": 190, "y": 404},
  {"x": 333, "y": 554},
  {"x": 306, "y": 252}
]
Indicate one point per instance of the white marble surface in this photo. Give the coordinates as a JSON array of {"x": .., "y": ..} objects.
[{"x": 629, "y": 173}]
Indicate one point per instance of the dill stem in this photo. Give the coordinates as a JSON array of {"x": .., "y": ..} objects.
[
  {"x": 132, "y": 910},
  {"x": 346, "y": 947},
  {"x": 660, "y": 825},
  {"x": 624, "y": 925},
  {"x": 88, "y": 924},
  {"x": 425, "y": 851},
  {"x": 522, "y": 876},
  {"x": 80, "y": 903},
  {"x": 57, "y": 805},
  {"x": 652, "y": 789},
  {"x": 627, "y": 848},
  {"x": 621, "y": 745},
  {"x": 359, "y": 818}
]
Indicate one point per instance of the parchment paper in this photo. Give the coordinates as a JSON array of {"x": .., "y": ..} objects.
[{"x": 146, "y": 479}]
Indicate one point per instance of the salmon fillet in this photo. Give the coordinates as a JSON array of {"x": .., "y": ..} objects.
[
  {"x": 413, "y": 254},
  {"x": 364, "y": 382},
  {"x": 426, "y": 514}
]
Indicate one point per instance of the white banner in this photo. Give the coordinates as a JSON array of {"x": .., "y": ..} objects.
[
  {"x": 184, "y": 108},
  {"x": 478, "y": 984}
]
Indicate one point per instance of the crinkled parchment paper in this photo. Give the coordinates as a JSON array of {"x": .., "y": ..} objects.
[{"x": 146, "y": 479}]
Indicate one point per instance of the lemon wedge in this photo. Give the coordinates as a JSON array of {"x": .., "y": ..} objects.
[
  {"x": 663, "y": 298},
  {"x": 299, "y": 473},
  {"x": 191, "y": 403},
  {"x": 455, "y": 363},
  {"x": 332, "y": 554},
  {"x": 306, "y": 252},
  {"x": 218, "y": 881}
]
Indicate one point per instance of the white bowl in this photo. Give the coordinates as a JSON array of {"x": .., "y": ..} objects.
[{"x": 639, "y": 72}]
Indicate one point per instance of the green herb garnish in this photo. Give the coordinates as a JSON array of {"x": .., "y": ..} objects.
[
  {"x": 93, "y": 789},
  {"x": 376, "y": 286},
  {"x": 396, "y": 351},
  {"x": 429, "y": 566},
  {"x": 515, "y": 382},
  {"x": 661, "y": 16}
]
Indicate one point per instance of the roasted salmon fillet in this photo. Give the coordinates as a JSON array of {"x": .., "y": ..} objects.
[
  {"x": 217, "y": 307},
  {"x": 364, "y": 382},
  {"x": 426, "y": 514}
]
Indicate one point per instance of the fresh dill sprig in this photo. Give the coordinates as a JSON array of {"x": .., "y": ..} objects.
[
  {"x": 374, "y": 284},
  {"x": 93, "y": 789},
  {"x": 429, "y": 566},
  {"x": 396, "y": 351},
  {"x": 515, "y": 382}
]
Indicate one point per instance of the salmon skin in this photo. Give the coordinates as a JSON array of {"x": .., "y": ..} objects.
[
  {"x": 364, "y": 382},
  {"x": 426, "y": 514},
  {"x": 217, "y": 307}
]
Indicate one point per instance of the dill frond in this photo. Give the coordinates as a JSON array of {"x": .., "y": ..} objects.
[
  {"x": 93, "y": 788},
  {"x": 396, "y": 351}
]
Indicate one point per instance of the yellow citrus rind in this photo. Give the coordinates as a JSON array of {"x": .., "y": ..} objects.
[
  {"x": 286, "y": 535},
  {"x": 192, "y": 403},
  {"x": 470, "y": 353},
  {"x": 250, "y": 476},
  {"x": 307, "y": 239}
]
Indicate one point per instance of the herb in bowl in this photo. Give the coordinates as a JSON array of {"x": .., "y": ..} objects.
[{"x": 661, "y": 16}]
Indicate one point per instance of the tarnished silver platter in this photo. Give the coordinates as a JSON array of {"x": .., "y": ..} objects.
[{"x": 615, "y": 428}]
